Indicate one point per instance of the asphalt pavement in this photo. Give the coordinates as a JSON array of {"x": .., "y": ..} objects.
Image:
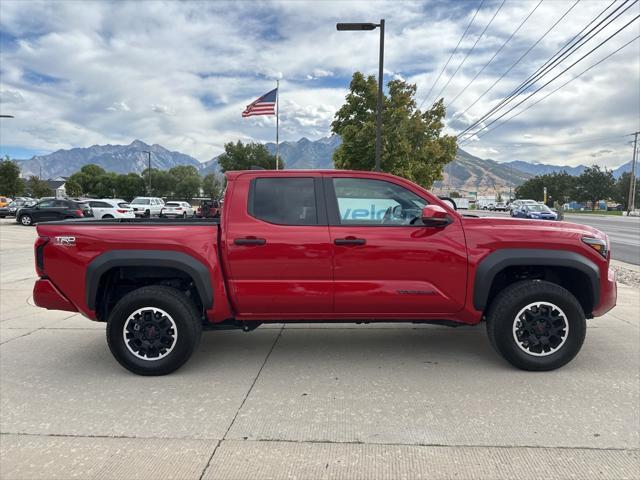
[
  {"x": 380, "y": 401},
  {"x": 624, "y": 232}
]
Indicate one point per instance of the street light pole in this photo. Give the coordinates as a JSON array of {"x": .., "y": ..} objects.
[
  {"x": 149, "y": 169},
  {"x": 372, "y": 26},
  {"x": 632, "y": 180},
  {"x": 379, "y": 103}
]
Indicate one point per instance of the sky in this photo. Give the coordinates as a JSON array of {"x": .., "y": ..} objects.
[{"x": 179, "y": 74}]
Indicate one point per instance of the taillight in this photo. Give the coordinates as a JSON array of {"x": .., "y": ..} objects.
[
  {"x": 178, "y": 208},
  {"x": 39, "y": 253},
  {"x": 122, "y": 211},
  {"x": 79, "y": 213}
]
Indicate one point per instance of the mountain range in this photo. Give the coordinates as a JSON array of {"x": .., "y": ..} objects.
[
  {"x": 113, "y": 158},
  {"x": 466, "y": 172}
]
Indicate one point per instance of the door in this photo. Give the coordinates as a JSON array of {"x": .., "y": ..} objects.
[
  {"x": 100, "y": 208},
  {"x": 387, "y": 264},
  {"x": 45, "y": 211},
  {"x": 277, "y": 248}
]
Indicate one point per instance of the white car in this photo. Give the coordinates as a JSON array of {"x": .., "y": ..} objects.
[
  {"x": 110, "y": 208},
  {"x": 147, "y": 206},
  {"x": 177, "y": 209}
]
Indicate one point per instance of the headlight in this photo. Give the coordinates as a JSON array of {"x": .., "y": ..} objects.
[{"x": 597, "y": 244}]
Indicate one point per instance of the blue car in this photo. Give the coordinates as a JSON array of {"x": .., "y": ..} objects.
[{"x": 537, "y": 212}]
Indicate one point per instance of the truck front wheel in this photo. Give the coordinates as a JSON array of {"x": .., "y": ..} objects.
[
  {"x": 536, "y": 325},
  {"x": 153, "y": 330}
]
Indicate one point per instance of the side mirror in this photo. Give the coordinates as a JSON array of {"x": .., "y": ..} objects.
[{"x": 435, "y": 216}]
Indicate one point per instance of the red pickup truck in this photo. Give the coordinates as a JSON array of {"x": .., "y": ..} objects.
[{"x": 322, "y": 246}]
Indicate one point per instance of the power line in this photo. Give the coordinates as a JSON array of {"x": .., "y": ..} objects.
[
  {"x": 600, "y": 140},
  {"x": 452, "y": 53},
  {"x": 521, "y": 57},
  {"x": 497, "y": 52},
  {"x": 558, "y": 88},
  {"x": 471, "y": 50},
  {"x": 564, "y": 52}
]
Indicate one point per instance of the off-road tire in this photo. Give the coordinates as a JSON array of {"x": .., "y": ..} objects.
[
  {"x": 181, "y": 310},
  {"x": 502, "y": 315}
]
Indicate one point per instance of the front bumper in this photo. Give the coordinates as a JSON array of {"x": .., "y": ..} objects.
[{"x": 46, "y": 295}]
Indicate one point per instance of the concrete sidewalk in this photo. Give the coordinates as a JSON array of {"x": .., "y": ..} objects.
[{"x": 328, "y": 401}]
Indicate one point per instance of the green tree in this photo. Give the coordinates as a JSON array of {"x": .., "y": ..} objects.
[
  {"x": 621, "y": 192},
  {"x": 240, "y": 156},
  {"x": 211, "y": 186},
  {"x": 187, "y": 181},
  {"x": 163, "y": 184},
  {"x": 39, "y": 188},
  {"x": 595, "y": 184},
  {"x": 560, "y": 187},
  {"x": 10, "y": 182},
  {"x": 88, "y": 178},
  {"x": 73, "y": 188},
  {"x": 413, "y": 146},
  {"x": 455, "y": 195},
  {"x": 129, "y": 186},
  {"x": 105, "y": 185},
  {"x": 499, "y": 198}
]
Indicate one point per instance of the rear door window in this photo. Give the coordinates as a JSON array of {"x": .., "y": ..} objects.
[{"x": 284, "y": 201}]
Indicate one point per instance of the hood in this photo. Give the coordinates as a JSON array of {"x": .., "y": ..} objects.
[{"x": 493, "y": 233}]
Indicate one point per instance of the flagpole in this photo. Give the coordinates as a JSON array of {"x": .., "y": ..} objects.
[{"x": 277, "y": 122}]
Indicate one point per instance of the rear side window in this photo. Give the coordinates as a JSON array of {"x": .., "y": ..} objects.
[
  {"x": 100, "y": 205},
  {"x": 284, "y": 201}
]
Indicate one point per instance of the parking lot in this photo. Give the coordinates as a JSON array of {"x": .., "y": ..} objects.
[{"x": 327, "y": 401}]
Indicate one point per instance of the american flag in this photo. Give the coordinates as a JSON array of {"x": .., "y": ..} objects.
[{"x": 265, "y": 105}]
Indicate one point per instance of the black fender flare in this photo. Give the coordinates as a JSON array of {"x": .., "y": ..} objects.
[
  {"x": 197, "y": 270},
  {"x": 495, "y": 262}
]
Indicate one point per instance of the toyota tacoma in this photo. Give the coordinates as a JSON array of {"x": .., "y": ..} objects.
[{"x": 322, "y": 246}]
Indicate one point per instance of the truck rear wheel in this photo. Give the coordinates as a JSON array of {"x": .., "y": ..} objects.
[
  {"x": 536, "y": 325},
  {"x": 153, "y": 330}
]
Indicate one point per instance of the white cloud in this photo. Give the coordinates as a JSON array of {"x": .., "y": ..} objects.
[{"x": 180, "y": 73}]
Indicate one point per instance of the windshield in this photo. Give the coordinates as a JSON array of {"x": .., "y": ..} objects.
[
  {"x": 140, "y": 201},
  {"x": 538, "y": 208},
  {"x": 172, "y": 204}
]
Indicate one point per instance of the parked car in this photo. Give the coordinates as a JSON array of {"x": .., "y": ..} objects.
[
  {"x": 487, "y": 206},
  {"x": 4, "y": 201},
  {"x": 326, "y": 245},
  {"x": 50, "y": 210},
  {"x": 111, "y": 208},
  {"x": 208, "y": 209},
  {"x": 147, "y": 206},
  {"x": 500, "y": 207},
  {"x": 518, "y": 204},
  {"x": 12, "y": 209},
  {"x": 177, "y": 209},
  {"x": 538, "y": 212}
]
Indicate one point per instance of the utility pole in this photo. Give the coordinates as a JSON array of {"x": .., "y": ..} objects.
[
  {"x": 149, "y": 170},
  {"x": 632, "y": 180}
]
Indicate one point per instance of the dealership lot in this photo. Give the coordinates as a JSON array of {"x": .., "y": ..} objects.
[{"x": 326, "y": 401}]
